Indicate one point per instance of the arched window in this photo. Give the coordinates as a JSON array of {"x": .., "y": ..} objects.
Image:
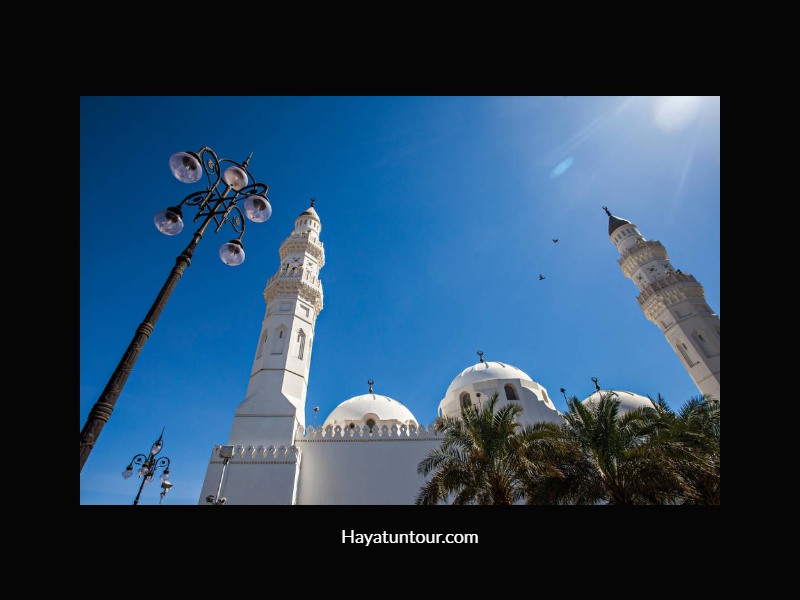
[
  {"x": 278, "y": 340},
  {"x": 301, "y": 344},
  {"x": 465, "y": 400},
  {"x": 511, "y": 393},
  {"x": 684, "y": 351},
  {"x": 262, "y": 344},
  {"x": 707, "y": 343}
]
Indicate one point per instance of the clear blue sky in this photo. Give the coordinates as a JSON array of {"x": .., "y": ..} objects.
[{"x": 437, "y": 217}]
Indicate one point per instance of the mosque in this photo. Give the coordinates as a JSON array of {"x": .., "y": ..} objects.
[{"x": 367, "y": 449}]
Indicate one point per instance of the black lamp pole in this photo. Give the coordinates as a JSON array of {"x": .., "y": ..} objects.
[
  {"x": 147, "y": 469},
  {"x": 212, "y": 204}
]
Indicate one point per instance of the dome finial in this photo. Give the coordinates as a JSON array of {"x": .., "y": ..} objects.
[
  {"x": 370, "y": 382},
  {"x": 312, "y": 202},
  {"x": 480, "y": 354},
  {"x": 614, "y": 222},
  {"x": 594, "y": 380}
]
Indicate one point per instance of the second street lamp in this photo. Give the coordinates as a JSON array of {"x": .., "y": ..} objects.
[
  {"x": 218, "y": 203},
  {"x": 147, "y": 471}
]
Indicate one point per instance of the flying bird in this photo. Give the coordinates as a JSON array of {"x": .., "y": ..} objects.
[
  {"x": 541, "y": 276},
  {"x": 555, "y": 240}
]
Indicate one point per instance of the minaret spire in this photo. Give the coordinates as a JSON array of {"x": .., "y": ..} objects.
[
  {"x": 673, "y": 301},
  {"x": 272, "y": 415},
  {"x": 274, "y": 405}
]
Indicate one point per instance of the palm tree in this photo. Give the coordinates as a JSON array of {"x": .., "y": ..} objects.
[
  {"x": 689, "y": 443},
  {"x": 478, "y": 461},
  {"x": 555, "y": 469},
  {"x": 598, "y": 457}
]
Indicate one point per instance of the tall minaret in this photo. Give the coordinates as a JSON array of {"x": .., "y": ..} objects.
[
  {"x": 672, "y": 300},
  {"x": 274, "y": 405}
]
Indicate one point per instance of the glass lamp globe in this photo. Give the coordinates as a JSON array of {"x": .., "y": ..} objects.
[
  {"x": 257, "y": 208},
  {"x": 155, "y": 449},
  {"x": 142, "y": 471},
  {"x": 185, "y": 166},
  {"x": 232, "y": 253},
  {"x": 165, "y": 475},
  {"x": 127, "y": 473},
  {"x": 235, "y": 177},
  {"x": 169, "y": 221},
  {"x": 148, "y": 479}
]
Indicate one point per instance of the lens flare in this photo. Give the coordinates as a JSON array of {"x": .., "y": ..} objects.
[{"x": 561, "y": 167}]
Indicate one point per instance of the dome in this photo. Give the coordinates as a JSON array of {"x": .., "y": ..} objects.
[
  {"x": 614, "y": 222},
  {"x": 310, "y": 212},
  {"x": 360, "y": 408},
  {"x": 628, "y": 401},
  {"x": 485, "y": 371}
]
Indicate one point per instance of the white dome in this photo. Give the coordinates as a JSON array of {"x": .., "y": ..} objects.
[
  {"x": 628, "y": 401},
  {"x": 360, "y": 408},
  {"x": 309, "y": 212},
  {"x": 486, "y": 371}
]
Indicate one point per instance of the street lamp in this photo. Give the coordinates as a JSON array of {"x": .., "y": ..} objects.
[
  {"x": 218, "y": 202},
  {"x": 165, "y": 487},
  {"x": 226, "y": 454},
  {"x": 148, "y": 464}
]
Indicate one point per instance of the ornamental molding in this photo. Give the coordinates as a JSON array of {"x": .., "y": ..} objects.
[
  {"x": 664, "y": 294},
  {"x": 296, "y": 282},
  {"x": 302, "y": 243},
  {"x": 632, "y": 258},
  {"x": 383, "y": 433}
]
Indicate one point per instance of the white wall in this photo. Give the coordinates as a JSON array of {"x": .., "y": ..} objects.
[
  {"x": 339, "y": 467},
  {"x": 362, "y": 470},
  {"x": 254, "y": 476}
]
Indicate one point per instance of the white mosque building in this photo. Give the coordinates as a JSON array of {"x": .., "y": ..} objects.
[{"x": 367, "y": 449}]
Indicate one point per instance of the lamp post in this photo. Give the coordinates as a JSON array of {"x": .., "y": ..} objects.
[
  {"x": 147, "y": 469},
  {"x": 217, "y": 202},
  {"x": 226, "y": 454}
]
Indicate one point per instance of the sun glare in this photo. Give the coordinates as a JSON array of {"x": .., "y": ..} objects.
[{"x": 672, "y": 113}]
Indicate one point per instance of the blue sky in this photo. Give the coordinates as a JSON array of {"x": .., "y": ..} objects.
[{"x": 437, "y": 217}]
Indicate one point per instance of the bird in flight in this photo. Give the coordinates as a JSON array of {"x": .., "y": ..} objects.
[
  {"x": 541, "y": 276},
  {"x": 555, "y": 240}
]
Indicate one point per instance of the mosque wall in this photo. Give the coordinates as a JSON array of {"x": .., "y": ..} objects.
[
  {"x": 354, "y": 466},
  {"x": 255, "y": 475}
]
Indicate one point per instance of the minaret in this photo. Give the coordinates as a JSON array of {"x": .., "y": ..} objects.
[
  {"x": 274, "y": 405},
  {"x": 673, "y": 300}
]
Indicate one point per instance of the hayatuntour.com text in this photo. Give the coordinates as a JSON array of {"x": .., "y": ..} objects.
[{"x": 351, "y": 537}]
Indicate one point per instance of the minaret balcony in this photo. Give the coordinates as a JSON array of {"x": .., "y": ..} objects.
[
  {"x": 301, "y": 242},
  {"x": 296, "y": 275},
  {"x": 662, "y": 287},
  {"x": 295, "y": 236},
  {"x": 631, "y": 258}
]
